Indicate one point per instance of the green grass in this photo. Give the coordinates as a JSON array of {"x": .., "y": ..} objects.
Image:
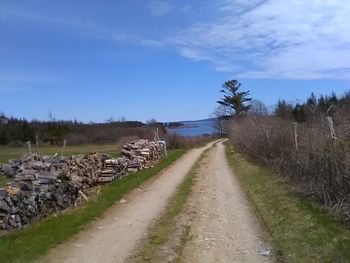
[
  {"x": 301, "y": 229},
  {"x": 10, "y": 153},
  {"x": 166, "y": 224},
  {"x": 28, "y": 244}
]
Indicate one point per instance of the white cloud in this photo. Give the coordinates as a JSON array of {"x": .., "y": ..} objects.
[
  {"x": 159, "y": 7},
  {"x": 293, "y": 39}
]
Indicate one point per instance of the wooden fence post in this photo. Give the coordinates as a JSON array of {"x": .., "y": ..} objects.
[
  {"x": 296, "y": 136},
  {"x": 330, "y": 124},
  {"x": 331, "y": 127},
  {"x": 64, "y": 146},
  {"x": 37, "y": 145},
  {"x": 29, "y": 147}
]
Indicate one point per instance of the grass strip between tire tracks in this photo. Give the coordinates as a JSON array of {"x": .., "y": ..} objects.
[
  {"x": 301, "y": 229},
  {"x": 28, "y": 244},
  {"x": 161, "y": 231}
]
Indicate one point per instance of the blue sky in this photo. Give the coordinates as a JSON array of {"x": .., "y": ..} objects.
[{"x": 89, "y": 60}]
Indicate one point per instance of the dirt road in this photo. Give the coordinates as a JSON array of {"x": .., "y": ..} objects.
[
  {"x": 223, "y": 227},
  {"x": 112, "y": 238},
  {"x": 216, "y": 223}
]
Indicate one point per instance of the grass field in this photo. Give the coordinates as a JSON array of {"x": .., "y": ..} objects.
[
  {"x": 28, "y": 244},
  {"x": 302, "y": 230}
]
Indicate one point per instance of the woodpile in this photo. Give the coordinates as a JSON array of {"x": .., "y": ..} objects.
[
  {"x": 84, "y": 170},
  {"x": 142, "y": 154},
  {"x": 113, "y": 169},
  {"x": 43, "y": 185}
]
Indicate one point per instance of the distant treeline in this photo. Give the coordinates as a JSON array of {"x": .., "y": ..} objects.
[
  {"x": 304, "y": 112},
  {"x": 13, "y": 130}
]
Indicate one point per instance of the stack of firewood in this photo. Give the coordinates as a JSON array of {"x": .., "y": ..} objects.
[
  {"x": 43, "y": 185},
  {"x": 113, "y": 169},
  {"x": 142, "y": 154}
]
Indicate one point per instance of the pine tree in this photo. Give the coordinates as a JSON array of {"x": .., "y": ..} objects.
[
  {"x": 234, "y": 98},
  {"x": 283, "y": 110}
]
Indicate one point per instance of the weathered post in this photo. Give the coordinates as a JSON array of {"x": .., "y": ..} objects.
[
  {"x": 268, "y": 143},
  {"x": 296, "y": 136},
  {"x": 268, "y": 137},
  {"x": 331, "y": 127},
  {"x": 156, "y": 135},
  {"x": 64, "y": 146},
  {"x": 37, "y": 145},
  {"x": 29, "y": 147}
]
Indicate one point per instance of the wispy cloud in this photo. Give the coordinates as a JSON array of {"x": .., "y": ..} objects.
[
  {"x": 159, "y": 7},
  {"x": 293, "y": 39},
  {"x": 82, "y": 27}
]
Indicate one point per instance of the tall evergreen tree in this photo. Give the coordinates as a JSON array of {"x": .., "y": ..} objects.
[
  {"x": 283, "y": 110},
  {"x": 312, "y": 99},
  {"x": 234, "y": 98}
]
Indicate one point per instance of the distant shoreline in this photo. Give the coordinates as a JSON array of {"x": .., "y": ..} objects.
[{"x": 182, "y": 127}]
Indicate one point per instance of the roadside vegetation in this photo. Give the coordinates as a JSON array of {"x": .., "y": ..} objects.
[
  {"x": 164, "y": 227},
  {"x": 28, "y": 244},
  {"x": 306, "y": 143},
  {"x": 302, "y": 230}
]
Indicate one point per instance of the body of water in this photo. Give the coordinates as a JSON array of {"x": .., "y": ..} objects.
[{"x": 195, "y": 128}]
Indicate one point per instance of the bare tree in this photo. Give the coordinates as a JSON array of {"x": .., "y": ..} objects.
[
  {"x": 110, "y": 119},
  {"x": 258, "y": 108},
  {"x": 221, "y": 113}
]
